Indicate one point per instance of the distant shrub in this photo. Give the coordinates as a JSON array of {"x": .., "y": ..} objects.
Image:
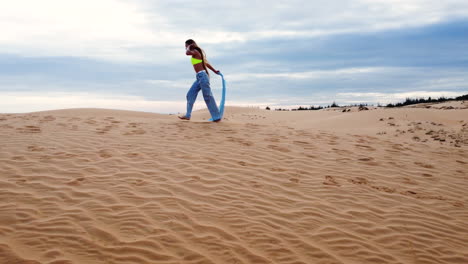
[
  {"x": 301, "y": 108},
  {"x": 412, "y": 101}
]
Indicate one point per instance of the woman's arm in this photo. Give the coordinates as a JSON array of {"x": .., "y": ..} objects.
[{"x": 211, "y": 68}]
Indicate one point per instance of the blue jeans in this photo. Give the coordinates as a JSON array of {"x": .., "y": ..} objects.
[{"x": 202, "y": 83}]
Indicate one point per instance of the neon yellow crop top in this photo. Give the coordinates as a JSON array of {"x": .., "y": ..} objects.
[{"x": 196, "y": 61}]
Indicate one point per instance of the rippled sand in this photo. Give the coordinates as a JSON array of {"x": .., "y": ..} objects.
[{"x": 109, "y": 186}]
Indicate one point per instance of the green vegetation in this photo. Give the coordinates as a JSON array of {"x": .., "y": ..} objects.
[
  {"x": 412, "y": 101},
  {"x": 408, "y": 101}
]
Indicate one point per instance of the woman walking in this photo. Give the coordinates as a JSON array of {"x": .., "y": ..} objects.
[{"x": 201, "y": 83}]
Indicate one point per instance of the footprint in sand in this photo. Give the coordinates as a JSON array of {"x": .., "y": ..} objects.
[
  {"x": 295, "y": 180},
  {"x": 132, "y": 125},
  {"x": 369, "y": 161},
  {"x": 330, "y": 180},
  {"x": 240, "y": 141},
  {"x": 91, "y": 122},
  {"x": 359, "y": 180},
  {"x": 18, "y": 158},
  {"x": 105, "y": 154},
  {"x": 363, "y": 181},
  {"x": 409, "y": 181},
  {"x": 35, "y": 148},
  {"x": 365, "y": 147},
  {"x": 135, "y": 132},
  {"x": 242, "y": 163},
  {"x": 255, "y": 184},
  {"x": 278, "y": 148},
  {"x": 46, "y": 157},
  {"x": 21, "y": 181},
  {"x": 139, "y": 182},
  {"x": 47, "y": 119},
  {"x": 384, "y": 189},
  {"x": 272, "y": 140},
  {"x": 76, "y": 181},
  {"x": 301, "y": 142},
  {"x": 424, "y": 165},
  {"x": 278, "y": 169},
  {"x": 104, "y": 130},
  {"x": 29, "y": 129}
]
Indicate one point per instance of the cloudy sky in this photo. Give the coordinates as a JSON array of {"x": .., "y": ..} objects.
[{"x": 130, "y": 54}]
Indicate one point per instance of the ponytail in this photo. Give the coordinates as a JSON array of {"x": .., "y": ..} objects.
[{"x": 203, "y": 58}]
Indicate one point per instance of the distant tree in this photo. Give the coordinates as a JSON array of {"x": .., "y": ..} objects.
[
  {"x": 411, "y": 101},
  {"x": 303, "y": 108}
]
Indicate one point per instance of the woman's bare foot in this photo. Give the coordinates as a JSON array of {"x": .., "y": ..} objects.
[{"x": 184, "y": 117}]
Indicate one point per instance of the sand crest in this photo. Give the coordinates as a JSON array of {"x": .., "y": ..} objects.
[{"x": 109, "y": 186}]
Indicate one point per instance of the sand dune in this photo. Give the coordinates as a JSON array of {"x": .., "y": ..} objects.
[{"x": 109, "y": 186}]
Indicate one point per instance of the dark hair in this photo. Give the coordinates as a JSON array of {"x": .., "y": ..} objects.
[{"x": 197, "y": 48}]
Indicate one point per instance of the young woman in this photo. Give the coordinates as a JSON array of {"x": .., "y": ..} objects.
[{"x": 201, "y": 83}]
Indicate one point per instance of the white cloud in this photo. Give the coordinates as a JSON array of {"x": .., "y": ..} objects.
[
  {"x": 182, "y": 84},
  {"x": 298, "y": 18},
  {"x": 138, "y": 30},
  {"x": 309, "y": 75},
  {"x": 101, "y": 29},
  {"x": 448, "y": 82}
]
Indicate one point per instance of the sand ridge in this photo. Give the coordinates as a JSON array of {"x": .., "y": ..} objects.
[{"x": 109, "y": 186}]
